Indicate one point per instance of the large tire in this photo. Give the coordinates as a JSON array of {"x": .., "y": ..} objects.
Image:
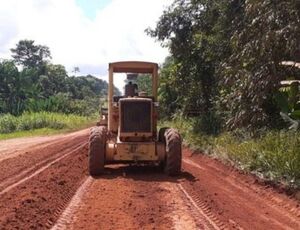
[
  {"x": 97, "y": 143},
  {"x": 173, "y": 152}
]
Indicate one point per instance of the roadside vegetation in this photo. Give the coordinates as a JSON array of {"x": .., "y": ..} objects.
[
  {"x": 31, "y": 83},
  {"x": 231, "y": 82},
  {"x": 38, "y": 95},
  {"x": 271, "y": 155},
  {"x": 41, "y": 123}
]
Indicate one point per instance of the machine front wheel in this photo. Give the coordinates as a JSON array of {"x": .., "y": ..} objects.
[{"x": 97, "y": 142}]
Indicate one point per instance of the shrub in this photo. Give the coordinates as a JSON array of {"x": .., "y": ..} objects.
[
  {"x": 31, "y": 121},
  {"x": 272, "y": 154},
  {"x": 8, "y": 123}
]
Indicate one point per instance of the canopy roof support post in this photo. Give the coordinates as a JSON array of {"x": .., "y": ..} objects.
[
  {"x": 155, "y": 82},
  {"x": 110, "y": 97}
]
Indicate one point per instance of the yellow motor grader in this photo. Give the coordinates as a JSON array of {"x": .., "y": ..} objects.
[{"x": 127, "y": 132}]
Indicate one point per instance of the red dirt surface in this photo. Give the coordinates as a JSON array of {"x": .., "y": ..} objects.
[
  {"x": 37, "y": 202},
  {"x": 131, "y": 197},
  {"x": 46, "y": 184},
  {"x": 237, "y": 198}
]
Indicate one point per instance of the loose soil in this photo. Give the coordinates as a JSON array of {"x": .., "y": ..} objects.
[{"x": 44, "y": 184}]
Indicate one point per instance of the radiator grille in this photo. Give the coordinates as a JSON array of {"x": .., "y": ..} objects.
[{"x": 135, "y": 116}]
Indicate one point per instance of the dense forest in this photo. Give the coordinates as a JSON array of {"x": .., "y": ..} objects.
[
  {"x": 227, "y": 62},
  {"x": 231, "y": 81},
  {"x": 31, "y": 83}
]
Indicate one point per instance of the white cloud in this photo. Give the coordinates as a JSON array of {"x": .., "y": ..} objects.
[{"x": 117, "y": 32}]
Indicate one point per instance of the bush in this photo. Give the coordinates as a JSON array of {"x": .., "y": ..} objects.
[
  {"x": 275, "y": 154},
  {"x": 272, "y": 154},
  {"x": 63, "y": 103},
  {"x": 8, "y": 123},
  {"x": 31, "y": 121}
]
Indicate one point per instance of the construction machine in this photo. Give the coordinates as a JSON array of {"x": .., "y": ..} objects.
[{"x": 127, "y": 131}]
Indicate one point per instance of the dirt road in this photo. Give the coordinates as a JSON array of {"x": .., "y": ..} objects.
[{"x": 44, "y": 184}]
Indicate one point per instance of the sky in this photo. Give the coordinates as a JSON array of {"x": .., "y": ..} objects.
[{"x": 84, "y": 33}]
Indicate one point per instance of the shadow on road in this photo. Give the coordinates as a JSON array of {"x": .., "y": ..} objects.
[{"x": 143, "y": 173}]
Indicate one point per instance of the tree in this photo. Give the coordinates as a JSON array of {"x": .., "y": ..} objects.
[
  {"x": 75, "y": 70},
  {"x": 57, "y": 75},
  {"x": 11, "y": 91},
  {"x": 144, "y": 83},
  {"x": 197, "y": 35},
  {"x": 230, "y": 55},
  {"x": 42, "y": 86},
  {"x": 168, "y": 93},
  {"x": 30, "y": 55},
  {"x": 267, "y": 35}
]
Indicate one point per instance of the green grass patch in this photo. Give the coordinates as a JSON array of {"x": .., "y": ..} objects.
[
  {"x": 31, "y": 133},
  {"x": 273, "y": 155},
  {"x": 41, "y": 123}
]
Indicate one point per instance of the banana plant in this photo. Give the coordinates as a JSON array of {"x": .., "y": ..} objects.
[{"x": 288, "y": 100}]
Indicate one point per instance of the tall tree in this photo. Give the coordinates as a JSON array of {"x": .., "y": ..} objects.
[
  {"x": 267, "y": 35},
  {"x": 75, "y": 70},
  {"x": 11, "y": 88},
  {"x": 230, "y": 55},
  {"x": 30, "y": 55},
  {"x": 197, "y": 34}
]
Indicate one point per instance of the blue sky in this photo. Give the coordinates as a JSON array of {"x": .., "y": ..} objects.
[
  {"x": 90, "y": 7},
  {"x": 84, "y": 33}
]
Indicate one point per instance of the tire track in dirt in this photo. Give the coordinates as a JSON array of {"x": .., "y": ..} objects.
[
  {"x": 136, "y": 197},
  {"x": 33, "y": 155},
  {"x": 175, "y": 208},
  {"x": 237, "y": 199},
  {"x": 274, "y": 199},
  {"x": 22, "y": 177},
  {"x": 282, "y": 206},
  {"x": 49, "y": 187},
  {"x": 66, "y": 217},
  {"x": 201, "y": 211},
  {"x": 12, "y": 148},
  {"x": 37, "y": 200},
  {"x": 201, "y": 198}
]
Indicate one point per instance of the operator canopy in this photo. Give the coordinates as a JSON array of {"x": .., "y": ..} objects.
[{"x": 133, "y": 67}]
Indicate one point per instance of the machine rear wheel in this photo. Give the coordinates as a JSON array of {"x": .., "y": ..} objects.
[
  {"x": 173, "y": 152},
  {"x": 97, "y": 142}
]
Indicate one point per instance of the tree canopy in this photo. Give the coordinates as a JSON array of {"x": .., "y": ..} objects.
[
  {"x": 229, "y": 56},
  {"x": 43, "y": 86},
  {"x": 30, "y": 55}
]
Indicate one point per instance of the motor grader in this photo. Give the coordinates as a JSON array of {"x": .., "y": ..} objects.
[{"x": 127, "y": 132}]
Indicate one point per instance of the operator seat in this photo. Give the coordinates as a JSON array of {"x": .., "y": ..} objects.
[{"x": 130, "y": 90}]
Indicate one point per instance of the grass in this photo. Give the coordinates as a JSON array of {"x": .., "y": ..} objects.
[
  {"x": 274, "y": 155},
  {"x": 31, "y": 133},
  {"x": 42, "y": 123}
]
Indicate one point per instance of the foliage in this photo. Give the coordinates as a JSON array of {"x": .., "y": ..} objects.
[
  {"x": 197, "y": 35},
  {"x": 168, "y": 93},
  {"x": 35, "y": 132},
  {"x": 288, "y": 97},
  {"x": 55, "y": 91},
  {"x": 288, "y": 100},
  {"x": 144, "y": 83},
  {"x": 31, "y": 121},
  {"x": 42, "y": 86},
  {"x": 11, "y": 91},
  {"x": 267, "y": 35},
  {"x": 227, "y": 59},
  {"x": 272, "y": 154},
  {"x": 30, "y": 55}
]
